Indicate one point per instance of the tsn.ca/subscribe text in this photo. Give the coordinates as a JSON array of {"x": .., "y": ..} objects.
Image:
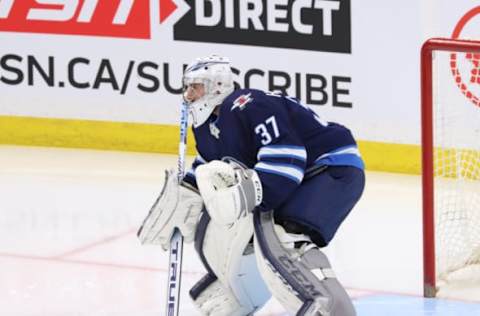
[{"x": 149, "y": 77}]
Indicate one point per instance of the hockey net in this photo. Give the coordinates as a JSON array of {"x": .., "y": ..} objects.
[{"x": 451, "y": 167}]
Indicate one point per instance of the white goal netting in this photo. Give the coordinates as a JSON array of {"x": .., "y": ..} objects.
[{"x": 456, "y": 142}]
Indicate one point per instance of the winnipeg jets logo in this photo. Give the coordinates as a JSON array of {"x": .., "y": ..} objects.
[
  {"x": 214, "y": 130},
  {"x": 242, "y": 101}
]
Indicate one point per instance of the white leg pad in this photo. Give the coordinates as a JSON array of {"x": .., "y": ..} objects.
[
  {"x": 277, "y": 285},
  {"x": 301, "y": 279},
  {"x": 229, "y": 253}
]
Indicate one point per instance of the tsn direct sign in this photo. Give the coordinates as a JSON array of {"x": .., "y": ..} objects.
[
  {"x": 320, "y": 25},
  {"x": 115, "y": 18}
]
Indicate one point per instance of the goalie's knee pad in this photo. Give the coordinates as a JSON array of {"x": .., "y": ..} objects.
[
  {"x": 301, "y": 279},
  {"x": 233, "y": 285}
]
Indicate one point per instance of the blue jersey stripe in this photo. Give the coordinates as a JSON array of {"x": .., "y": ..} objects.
[
  {"x": 289, "y": 171},
  {"x": 282, "y": 151},
  {"x": 343, "y": 156},
  {"x": 342, "y": 160}
]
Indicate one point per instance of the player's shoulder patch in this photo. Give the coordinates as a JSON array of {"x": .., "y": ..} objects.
[{"x": 241, "y": 101}]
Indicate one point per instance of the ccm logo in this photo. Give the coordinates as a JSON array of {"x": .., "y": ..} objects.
[
  {"x": 321, "y": 25},
  {"x": 116, "y": 18}
]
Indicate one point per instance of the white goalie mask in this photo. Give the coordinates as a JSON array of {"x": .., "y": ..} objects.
[{"x": 215, "y": 76}]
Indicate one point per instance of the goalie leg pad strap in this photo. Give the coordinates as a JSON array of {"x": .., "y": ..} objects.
[
  {"x": 233, "y": 276},
  {"x": 200, "y": 237},
  {"x": 217, "y": 300},
  {"x": 302, "y": 281}
]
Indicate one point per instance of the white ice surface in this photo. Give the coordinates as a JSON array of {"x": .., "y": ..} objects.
[{"x": 68, "y": 246}]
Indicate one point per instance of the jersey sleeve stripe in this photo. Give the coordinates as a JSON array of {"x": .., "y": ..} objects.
[
  {"x": 295, "y": 152},
  {"x": 284, "y": 160},
  {"x": 289, "y": 171},
  {"x": 341, "y": 151},
  {"x": 346, "y": 156},
  {"x": 342, "y": 160}
]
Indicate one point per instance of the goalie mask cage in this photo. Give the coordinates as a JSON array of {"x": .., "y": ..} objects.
[{"x": 450, "y": 97}]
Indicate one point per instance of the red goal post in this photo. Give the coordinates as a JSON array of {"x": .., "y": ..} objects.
[{"x": 429, "y": 147}]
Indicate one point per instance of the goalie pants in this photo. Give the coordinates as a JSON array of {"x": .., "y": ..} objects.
[{"x": 321, "y": 203}]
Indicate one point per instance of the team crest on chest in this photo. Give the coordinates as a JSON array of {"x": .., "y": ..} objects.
[
  {"x": 242, "y": 101},
  {"x": 214, "y": 130}
]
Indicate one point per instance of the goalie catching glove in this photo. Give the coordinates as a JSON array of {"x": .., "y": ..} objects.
[
  {"x": 178, "y": 205},
  {"x": 229, "y": 190}
]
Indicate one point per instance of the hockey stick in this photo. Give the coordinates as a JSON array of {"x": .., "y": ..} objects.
[{"x": 176, "y": 242}]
